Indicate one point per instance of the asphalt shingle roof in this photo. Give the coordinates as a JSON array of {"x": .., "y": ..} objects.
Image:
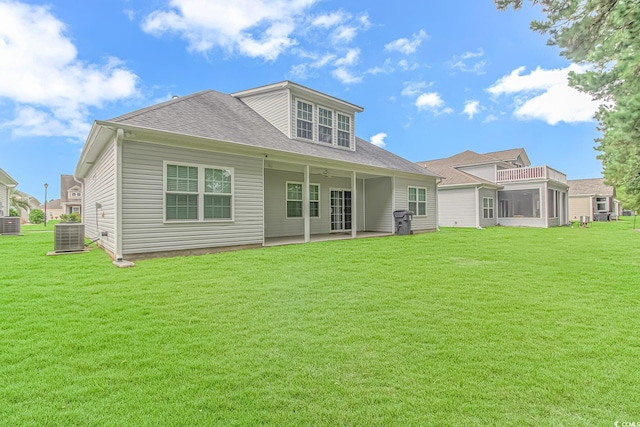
[
  {"x": 593, "y": 186},
  {"x": 218, "y": 116},
  {"x": 447, "y": 168}
]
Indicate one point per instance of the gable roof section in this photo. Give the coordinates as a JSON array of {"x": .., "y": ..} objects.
[
  {"x": 509, "y": 155},
  {"x": 287, "y": 84},
  {"x": 221, "y": 117},
  {"x": 447, "y": 168},
  {"x": 590, "y": 187},
  {"x": 6, "y": 179}
]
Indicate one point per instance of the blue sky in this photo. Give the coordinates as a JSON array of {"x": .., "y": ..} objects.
[{"x": 434, "y": 77}]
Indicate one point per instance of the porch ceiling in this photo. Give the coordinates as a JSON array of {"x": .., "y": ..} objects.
[{"x": 315, "y": 170}]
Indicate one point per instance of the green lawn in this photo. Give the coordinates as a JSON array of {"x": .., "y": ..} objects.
[{"x": 502, "y": 326}]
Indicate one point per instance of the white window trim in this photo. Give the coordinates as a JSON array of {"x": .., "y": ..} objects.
[
  {"x": 426, "y": 198},
  {"x": 200, "y": 193},
  {"x": 606, "y": 204},
  {"x": 286, "y": 200},
  {"x": 492, "y": 208},
  {"x": 351, "y": 129},
  {"x": 334, "y": 123},
  {"x": 314, "y": 121}
]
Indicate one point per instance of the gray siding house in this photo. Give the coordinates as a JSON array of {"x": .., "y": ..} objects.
[
  {"x": 210, "y": 170},
  {"x": 6, "y": 182},
  {"x": 500, "y": 187},
  {"x": 592, "y": 197}
]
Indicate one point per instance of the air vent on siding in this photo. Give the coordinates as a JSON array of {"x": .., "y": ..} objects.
[
  {"x": 10, "y": 225},
  {"x": 69, "y": 237}
]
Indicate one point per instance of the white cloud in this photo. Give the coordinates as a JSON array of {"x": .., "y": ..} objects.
[
  {"x": 429, "y": 101},
  {"x": 386, "y": 68},
  {"x": 406, "y": 66},
  {"x": 471, "y": 108},
  {"x": 405, "y": 45},
  {"x": 345, "y": 76},
  {"x": 462, "y": 63},
  {"x": 546, "y": 95},
  {"x": 330, "y": 20},
  {"x": 350, "y": 58},
  {"x": 344, "y": 34},
  {"x": 378, "y": 139},
  {"x": 490, "y": 118},
  {"x": 412, "y": 89},
  {"x": 51, "y": 88},
  {"x": 256, "y": 28}
]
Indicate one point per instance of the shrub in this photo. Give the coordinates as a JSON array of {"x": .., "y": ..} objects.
[
  {"x": 36, "y": 216},
  {"x": 72, "y": 217},
  {"x": 13, "y": 212}
]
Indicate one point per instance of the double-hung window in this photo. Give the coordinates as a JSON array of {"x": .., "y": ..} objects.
[
  {"x": 217, "y": 194},
  {"x": 182, "y": 192},
  {"x": 601, "y": 204},
  {"x": 304, "y": 123},
  {"x": 487, "y": 207},
  {"x": 294, "y": 200},
  {"x": 418, "y": 201},
  {"x": 344, "y": 130},
  {"x": 325, "y": 125},
  {"x": 197, "y": 193}
]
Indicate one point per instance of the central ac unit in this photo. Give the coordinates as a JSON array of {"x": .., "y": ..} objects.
[
  {"x": 10, "y": 225},
  {"x": 69, "y": 237}
]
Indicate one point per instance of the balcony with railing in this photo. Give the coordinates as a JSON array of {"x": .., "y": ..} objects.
[{"x": 530, "y": 174}]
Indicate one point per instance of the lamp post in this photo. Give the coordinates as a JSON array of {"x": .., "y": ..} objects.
[{"x": 45, "y": 203}]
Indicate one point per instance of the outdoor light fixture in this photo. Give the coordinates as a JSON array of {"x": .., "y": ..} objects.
[{"x": 45, "y": 203}]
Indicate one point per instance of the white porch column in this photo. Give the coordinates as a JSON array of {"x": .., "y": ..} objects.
[
  {"x": 305, "y": 205},
  {"x": 354, "y": 205}
]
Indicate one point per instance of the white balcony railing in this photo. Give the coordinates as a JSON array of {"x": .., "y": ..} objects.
[{"x": 530, "y": 173}]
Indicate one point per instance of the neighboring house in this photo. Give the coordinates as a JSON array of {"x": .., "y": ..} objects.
[
  {"x": 70, "y": 195},
  {"x": 591, "y": 197},
  {"x": 53, "y": 209},
  {"x": 212, "y": 170},
  {"x": 500, "y": 187},
  {"x": 6, "y": 182}
]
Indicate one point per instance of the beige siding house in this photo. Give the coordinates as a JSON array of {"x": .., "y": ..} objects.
[
  {"x": 592, "y": 198},
  {"x": 211, "y": 171},
  {"x": 501, "y": 187},
  {"x": 6, "y": 182}
]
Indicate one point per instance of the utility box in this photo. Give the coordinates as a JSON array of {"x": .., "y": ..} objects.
[
  {"x": 402, "y": 220},
  {"x": 602, "y": 216}
]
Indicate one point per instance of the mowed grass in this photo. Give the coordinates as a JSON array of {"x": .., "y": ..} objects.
[{"x": 502, "y": 326}]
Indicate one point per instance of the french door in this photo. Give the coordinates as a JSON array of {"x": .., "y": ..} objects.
[{"x": 340, "y": 210}]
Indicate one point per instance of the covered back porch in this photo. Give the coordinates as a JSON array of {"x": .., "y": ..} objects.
[{"x": 304, "y": 203}]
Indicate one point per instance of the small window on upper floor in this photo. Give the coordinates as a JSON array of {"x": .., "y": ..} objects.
[
  {"x": 75, "y": 194},
  {"x": 344, "y": 130},
  {"x": 304, "y": 123},
  {"x": 325, "y": 125}
]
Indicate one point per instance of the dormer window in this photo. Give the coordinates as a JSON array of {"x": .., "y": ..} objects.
[
  {"x": 325, "y": 125},
  {"x": 344, "y": 130},
  {"x": 305, "y": 120}
]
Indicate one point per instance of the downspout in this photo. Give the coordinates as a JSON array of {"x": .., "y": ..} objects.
[
  {"x": 118, "y": 197},
  {"x": 477, "y": 207},
  {"x": 438, "y": 181}
]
